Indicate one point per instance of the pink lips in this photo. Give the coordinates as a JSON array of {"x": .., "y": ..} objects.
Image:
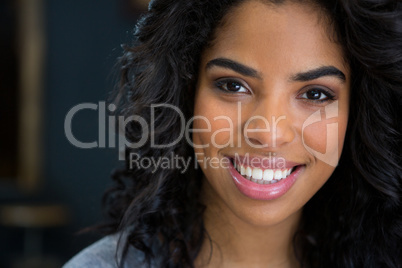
[{"x": 265, "y": 191}]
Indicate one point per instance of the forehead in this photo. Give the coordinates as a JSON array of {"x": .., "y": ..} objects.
[{"x": 291, "y": 35}]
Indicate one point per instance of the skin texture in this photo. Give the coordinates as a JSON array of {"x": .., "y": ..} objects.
[{"x": 278, "y": 42}]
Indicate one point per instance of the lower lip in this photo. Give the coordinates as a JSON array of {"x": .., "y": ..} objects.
[{"x": 264, "y": 191}]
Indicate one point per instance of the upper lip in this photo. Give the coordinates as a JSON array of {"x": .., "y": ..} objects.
[{"x": 263, "y": 162}]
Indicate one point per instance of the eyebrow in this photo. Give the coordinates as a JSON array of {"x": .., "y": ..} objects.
[
  {"x": 319, "y": 72},
  {"x": 235, "y": 66},
  {"x": 300, "y": 77}
]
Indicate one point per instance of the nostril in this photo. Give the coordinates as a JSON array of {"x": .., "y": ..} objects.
[
  {"x": 277, "y": 135},
  {"x": 256, "y": 142}
]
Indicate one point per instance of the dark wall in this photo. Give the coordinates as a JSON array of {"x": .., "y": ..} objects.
[
  {"x": 84, "y": 39},
  {"x": 83, "y": 42}
]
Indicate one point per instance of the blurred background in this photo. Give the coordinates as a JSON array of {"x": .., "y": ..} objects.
[{"x": 55, "y": 54}]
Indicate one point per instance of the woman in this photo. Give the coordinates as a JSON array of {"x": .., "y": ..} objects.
[{"x": 287, "y": 112}]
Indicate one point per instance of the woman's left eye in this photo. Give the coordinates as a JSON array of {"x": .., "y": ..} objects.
[
  {"x": 317, "y": 94},
  {"x": 231, "y": 86}
]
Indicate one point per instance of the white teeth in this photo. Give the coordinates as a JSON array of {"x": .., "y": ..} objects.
[
  {"x": 278, "y": 175},
  {"x": 242, "y": 170},
  {"x": 268, "y": 175},
  {"x": 261, "y": 176},
  {"x": 249, "y": 172},
  {"x": 257, "y": 173}
]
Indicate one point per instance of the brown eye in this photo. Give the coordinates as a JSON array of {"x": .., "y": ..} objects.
[
  {"x": 231, "y": 86},
  {"x": 317, "y": 95},
  {"x": 313, "y": 95}
]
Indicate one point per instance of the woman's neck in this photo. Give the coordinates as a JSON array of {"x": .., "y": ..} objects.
[{"x": 236, "y": 243}]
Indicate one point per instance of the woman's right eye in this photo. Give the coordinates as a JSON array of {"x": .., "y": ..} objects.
[{"x": 231, "y": 86}]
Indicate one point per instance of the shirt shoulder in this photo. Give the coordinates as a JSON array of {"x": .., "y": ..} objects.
[{"x": 104, "y": 254}]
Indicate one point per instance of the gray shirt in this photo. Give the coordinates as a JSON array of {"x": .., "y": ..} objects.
[{"x": 104, "y": 254}]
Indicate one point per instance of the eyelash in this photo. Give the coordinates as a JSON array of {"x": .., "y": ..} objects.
[
  {"x": 223, "y": 84},
  {"x": 329, "y": 95}
]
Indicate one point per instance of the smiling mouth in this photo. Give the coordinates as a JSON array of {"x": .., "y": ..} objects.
[{"x": 261, "y": 175}]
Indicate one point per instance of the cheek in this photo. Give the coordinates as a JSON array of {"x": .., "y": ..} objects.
[
  {"x": 216, "y": 122},
  {"x": 209, "y": 133},
  {"x": 324, "y": 139},
  {"x": 315, "y": 136}
]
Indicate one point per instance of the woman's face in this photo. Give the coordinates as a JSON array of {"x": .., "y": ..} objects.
[{"x": 272, "y": 99}]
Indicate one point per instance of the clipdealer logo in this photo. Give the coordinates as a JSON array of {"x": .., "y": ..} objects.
[
  {"x": 330, "y": 156},
  {"x": 107, "y": 125}
]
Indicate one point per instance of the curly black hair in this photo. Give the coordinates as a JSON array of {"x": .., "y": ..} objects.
[{"x": 354, "y": 220}]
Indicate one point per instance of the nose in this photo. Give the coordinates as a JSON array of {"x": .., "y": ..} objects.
[{"x": 270, "y": 124}]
